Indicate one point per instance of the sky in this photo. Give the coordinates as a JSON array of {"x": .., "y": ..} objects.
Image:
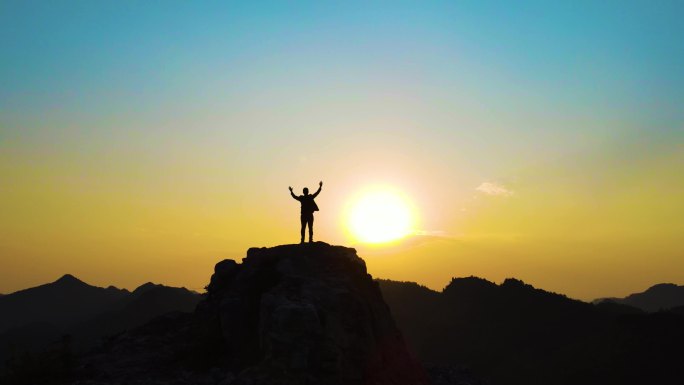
[{"x": 146, "y": 141}]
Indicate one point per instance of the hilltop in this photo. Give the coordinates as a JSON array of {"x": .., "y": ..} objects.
[
  {"x": 291, "y": 314},
  {"x": 662, "y": 296},
  {"x": 311, "y": 314}
]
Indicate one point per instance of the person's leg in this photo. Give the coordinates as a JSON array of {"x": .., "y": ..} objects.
[
  {"x": 303, "y": 220},
  {"x": 311, "y": 228}
]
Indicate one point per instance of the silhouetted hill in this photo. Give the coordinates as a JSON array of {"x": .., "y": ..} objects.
[
  {"x": 292, "y": 314},
  {"x": 409, "y": 303},
  {"x": 61, "y": 303},
  {"x": 514, "y": 333},
  {"x": 34, "y": 318},
  {"x": 662, "y": 296},
  {"x": 615, "y": 308},
  {"x": 141, "y": 306},
  {"x": 311, "y": 314}
]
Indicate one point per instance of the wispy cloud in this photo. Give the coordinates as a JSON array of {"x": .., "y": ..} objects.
[
  {"x": 494, "y": 189},
  {"x": 430, "y": 233}
]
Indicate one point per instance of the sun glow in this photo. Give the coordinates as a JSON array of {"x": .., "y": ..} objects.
[{"x": 380, "y": 216}]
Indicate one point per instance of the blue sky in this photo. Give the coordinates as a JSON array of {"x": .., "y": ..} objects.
[{"x": 621, "y": 54}]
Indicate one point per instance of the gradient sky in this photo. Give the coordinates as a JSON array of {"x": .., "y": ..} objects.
[{"x": 145, "y": 141}]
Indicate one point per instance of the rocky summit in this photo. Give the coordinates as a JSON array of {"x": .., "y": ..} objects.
[
  {"x": 305, "y": 314},
  {"x": 287, "y": 315}
]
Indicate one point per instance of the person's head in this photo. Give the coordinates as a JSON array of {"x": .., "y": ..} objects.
[{"x": 306, "y": 191}]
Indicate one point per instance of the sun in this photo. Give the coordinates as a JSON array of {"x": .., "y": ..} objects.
[{"x": 380, "y": 216}]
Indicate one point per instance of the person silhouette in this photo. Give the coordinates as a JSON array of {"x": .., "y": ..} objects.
[{"x": 307, "y": 210}]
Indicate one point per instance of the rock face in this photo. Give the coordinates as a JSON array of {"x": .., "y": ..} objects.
[{"x": 305, "y": 314}]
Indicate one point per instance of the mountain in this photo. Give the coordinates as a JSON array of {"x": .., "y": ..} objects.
[
  {"x": 61, "y": 303},
  {"x": 142, "y": 305},
  {"x": 513, "y": 333},
  {"x": 291, "y": 314},
  {"x": 311, "y": 314},
  {"x": 37, "y": 317},
  {"x": 658, "y": 297}
]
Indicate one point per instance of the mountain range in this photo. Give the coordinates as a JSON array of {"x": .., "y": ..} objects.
[
  {"x": 35, "y": 317},
  {"x": 509, "y": 333},
  {"x": 513, "y": 333},
  {"x": 286, "y": 315},
  {"x": 663, "y": 296}
]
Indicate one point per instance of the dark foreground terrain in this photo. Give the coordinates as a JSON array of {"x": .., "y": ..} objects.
[
  {"x": 515, "y": 334},
  {"x": 311, "y": 314},
  {"x": 43, "y": 316},
  {"x": 296, "y": 314}
]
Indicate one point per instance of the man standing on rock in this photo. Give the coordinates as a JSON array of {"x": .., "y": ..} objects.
[{"x": 308, "y": 208}]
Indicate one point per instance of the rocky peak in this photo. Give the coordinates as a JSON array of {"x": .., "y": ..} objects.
[
  {"x": 665, "y": 288},
  {"x": 306, "y": 313},
  {"x": 145, "y": 287},
  {"x": 69, "y": 280},
  {"x": 469, "y": 287}
]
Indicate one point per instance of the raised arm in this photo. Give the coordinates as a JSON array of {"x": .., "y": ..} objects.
[
  {"x": 292, "y": 193},
  {"x": 320, "y": 186}
]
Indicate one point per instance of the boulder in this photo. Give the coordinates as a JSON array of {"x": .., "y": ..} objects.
[{"x": 306, "y": 314}]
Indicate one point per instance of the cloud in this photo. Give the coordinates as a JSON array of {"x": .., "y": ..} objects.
[
  {"x": 494, "y": 189},
  {"x": 429, "y": 233},
  {"x": 414, "y": 239}
]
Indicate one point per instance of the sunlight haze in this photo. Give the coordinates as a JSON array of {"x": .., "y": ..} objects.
[{"x": 380, "y": 216}]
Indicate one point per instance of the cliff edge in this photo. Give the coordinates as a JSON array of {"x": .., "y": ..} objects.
[
  {"x": 286, "y": 315},
  {"x": 306, "y": 313}
]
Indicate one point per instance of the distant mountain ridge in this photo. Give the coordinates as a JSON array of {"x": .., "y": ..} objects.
[
  {"x": 34, "y": 317},
  {"x": 508, "y": 333},
  {"x": 62, "y": 303},
  {"x": 513, "y": 333},
  {"x": 663, "y": 296},
  {"x": 286, "y": 315}
]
